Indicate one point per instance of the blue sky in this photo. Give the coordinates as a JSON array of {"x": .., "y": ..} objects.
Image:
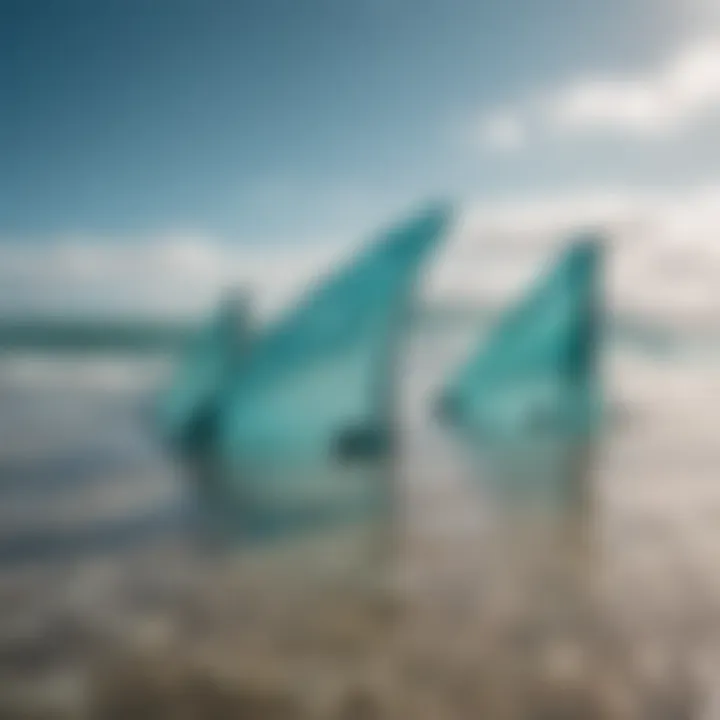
[
  {"x": 251, "y": 119},
  {"x": 180, "y": 124}
]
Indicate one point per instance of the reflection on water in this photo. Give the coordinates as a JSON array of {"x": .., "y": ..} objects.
[{"x": 109, "y": 609}]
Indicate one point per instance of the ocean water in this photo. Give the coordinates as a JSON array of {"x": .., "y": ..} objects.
[{"x": 96, "y": 541}]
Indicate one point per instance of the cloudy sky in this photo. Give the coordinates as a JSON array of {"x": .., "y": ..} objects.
[{"x": 183, "y": 144}]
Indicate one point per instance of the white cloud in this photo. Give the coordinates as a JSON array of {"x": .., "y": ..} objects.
[
  {"x": 649, "y": 105},
  {"x": 684, "y": 88},
  {"x": 171, "y": 274},
  {"x": 501, "y": 131},
  {"x": 664, "y": 260}
]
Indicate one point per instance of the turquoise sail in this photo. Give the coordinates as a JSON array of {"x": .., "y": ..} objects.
[
  {"x": 529, "y": 402},
  {"x": 187, "y": 409},
  {"x": 306, "y": 430},
  {"x": 538, "y": 370}
]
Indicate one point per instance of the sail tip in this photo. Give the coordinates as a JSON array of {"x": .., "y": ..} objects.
[
  {"x": 419, "y": 231},
  {"x": 442, "y": 210},
  {"x": 437, "y": 212},
  {"x": 589, "y": 242},
  {"x": 432, "y": 222},
  {"x": 583, "y": 253}
]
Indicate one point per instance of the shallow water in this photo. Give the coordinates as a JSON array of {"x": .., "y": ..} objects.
[{"x": 101, "y": 585}]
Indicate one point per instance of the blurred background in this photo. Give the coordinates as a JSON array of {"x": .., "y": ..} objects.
[{"x": 155, "y": 154}]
